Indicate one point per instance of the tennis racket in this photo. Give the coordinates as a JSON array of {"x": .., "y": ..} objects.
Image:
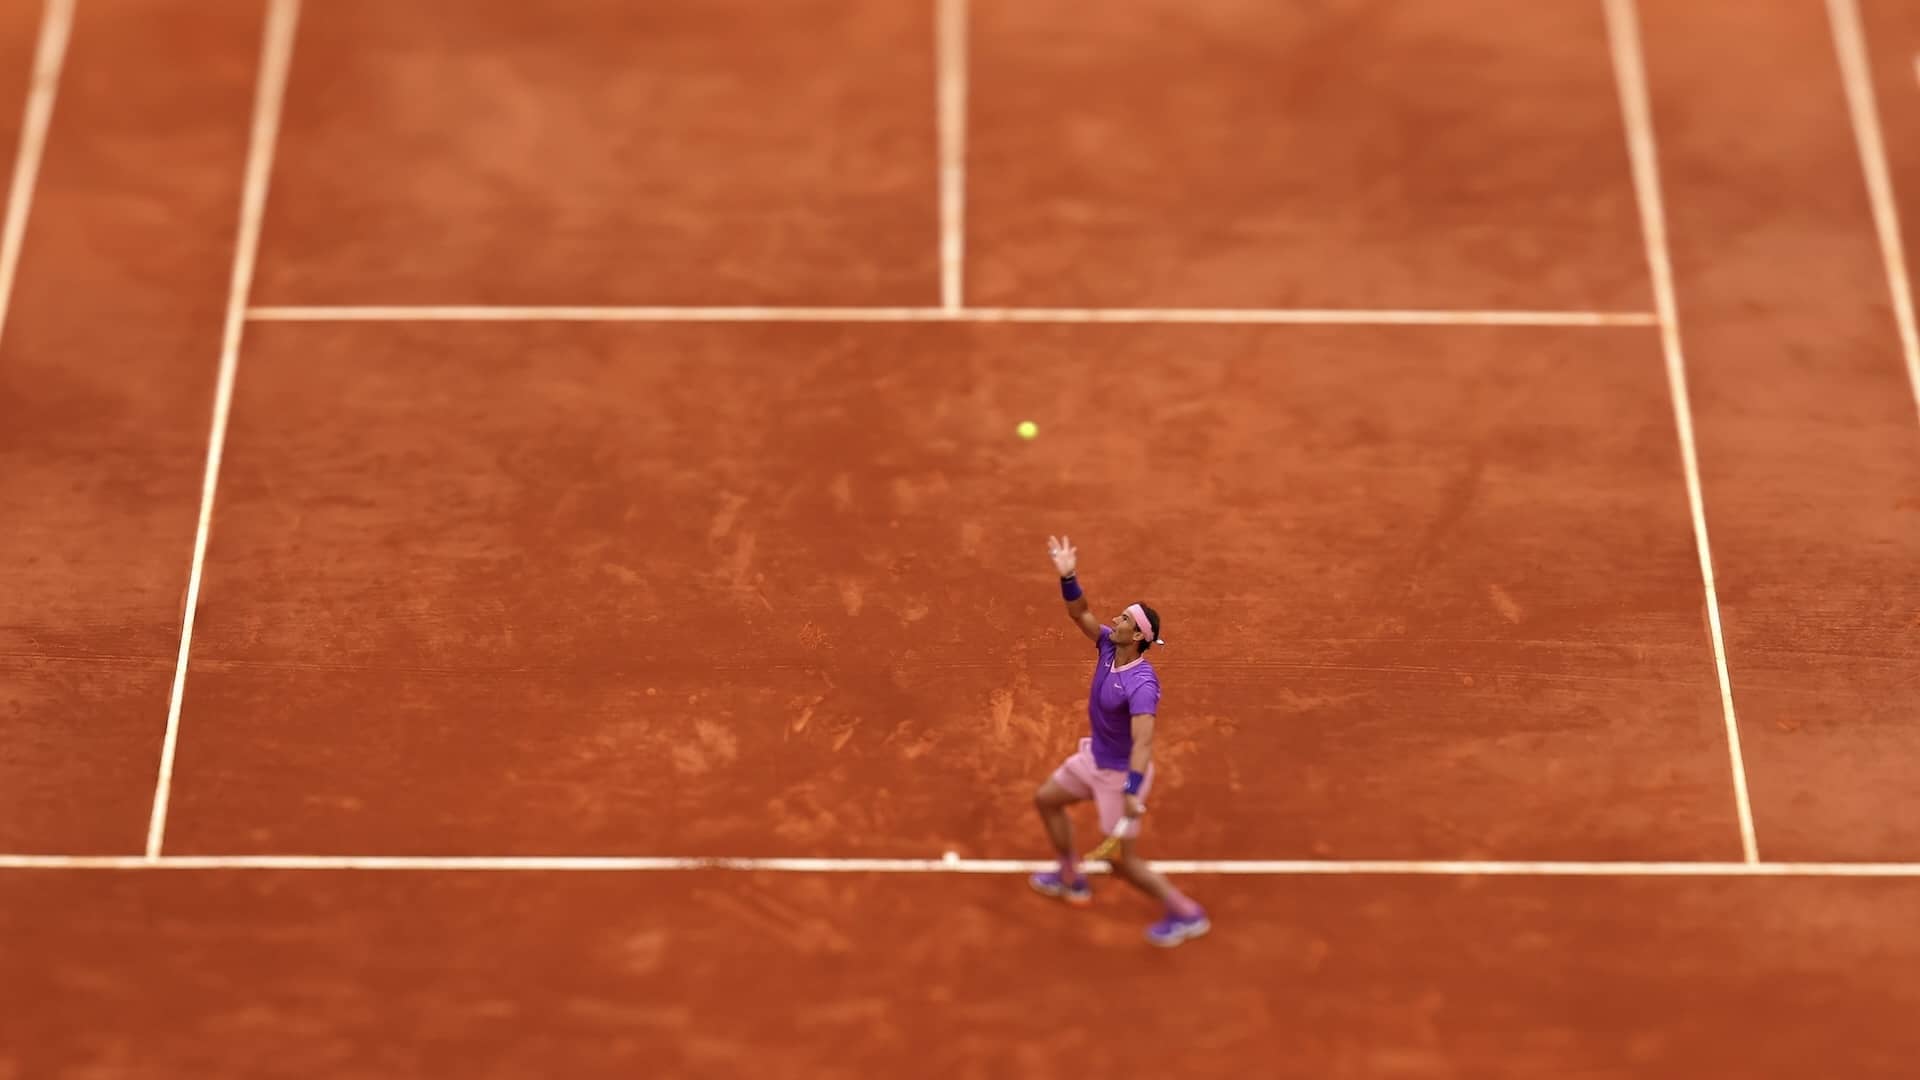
[{"x": 1121, "y": 830}]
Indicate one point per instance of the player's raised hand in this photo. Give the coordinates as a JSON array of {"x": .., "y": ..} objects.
[{"x": 1064, "y": 556}]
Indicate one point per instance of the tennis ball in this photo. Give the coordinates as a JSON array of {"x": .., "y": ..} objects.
[{"x": 1028, "y": 429}]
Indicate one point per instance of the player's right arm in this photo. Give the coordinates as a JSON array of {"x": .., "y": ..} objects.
[{"x": 1064, "y": 561}]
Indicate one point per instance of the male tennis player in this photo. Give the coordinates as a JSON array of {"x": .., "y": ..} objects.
[{"x": 1114, "y": 767}]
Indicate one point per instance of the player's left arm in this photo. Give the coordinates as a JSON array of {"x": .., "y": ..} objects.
[{"x": 1138, "y": 762}]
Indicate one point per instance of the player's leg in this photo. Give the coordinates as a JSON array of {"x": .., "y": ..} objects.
[
  {"x": 1184, "y": 919},
  {"x": 1068, "y": 785},
  {"x": 1052, "y": 801},
  {"x": 1068, "y": 882}
]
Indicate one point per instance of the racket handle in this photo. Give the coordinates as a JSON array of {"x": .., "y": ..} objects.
[{"x": 1112, "y": 841}]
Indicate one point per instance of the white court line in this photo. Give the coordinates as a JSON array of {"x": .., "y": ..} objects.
[
  {"x": 1856, "y": 72},
  {"x": 49, "y": 57},
  {"x": 1245, "y": 867},
  {"x": 276, "y": 53},
  {"x": 1223, "y": 316},
  {"x": 950, "y": 47},
  {"x": 1623, "y": 32}
]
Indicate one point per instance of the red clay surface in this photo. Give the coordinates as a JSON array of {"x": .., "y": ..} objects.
[
  {"x": 780, "y": 589},
  {"x": 549, "y": 589},
  {"x": 1809, "y": 438},
  {"x": 845, "y": 976},
  {"x": 1464, "y": 154},
  {"x": 106, "y": 381},
  {"x": 598, "y": 151},
  {"x": 19, "y": 30}
]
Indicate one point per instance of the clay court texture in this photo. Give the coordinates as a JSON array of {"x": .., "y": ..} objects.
[{"x": 515, "y": 558}]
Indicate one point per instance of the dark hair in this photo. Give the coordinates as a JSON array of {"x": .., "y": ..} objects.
[{"x": 1151, "y": 632}]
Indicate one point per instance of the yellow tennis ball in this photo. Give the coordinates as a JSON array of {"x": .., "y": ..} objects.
[{"x": 1028, "y": 429}]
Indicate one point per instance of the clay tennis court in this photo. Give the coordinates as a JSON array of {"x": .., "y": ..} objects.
[{"x": 516, "y": 559}]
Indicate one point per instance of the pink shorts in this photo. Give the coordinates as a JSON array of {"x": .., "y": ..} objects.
[{"x": 1106, "y": 787}]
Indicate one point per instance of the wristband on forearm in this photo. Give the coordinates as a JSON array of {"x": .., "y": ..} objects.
[
  {"x": 1070, "y": 588},
  {"x": 1134, "y": 780}
]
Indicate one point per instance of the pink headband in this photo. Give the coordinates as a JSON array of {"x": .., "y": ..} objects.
[{"x": 1142, "y": 623}]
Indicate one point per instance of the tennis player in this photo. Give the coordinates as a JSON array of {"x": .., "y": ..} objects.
[{"x": 1113, "y": 767}]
